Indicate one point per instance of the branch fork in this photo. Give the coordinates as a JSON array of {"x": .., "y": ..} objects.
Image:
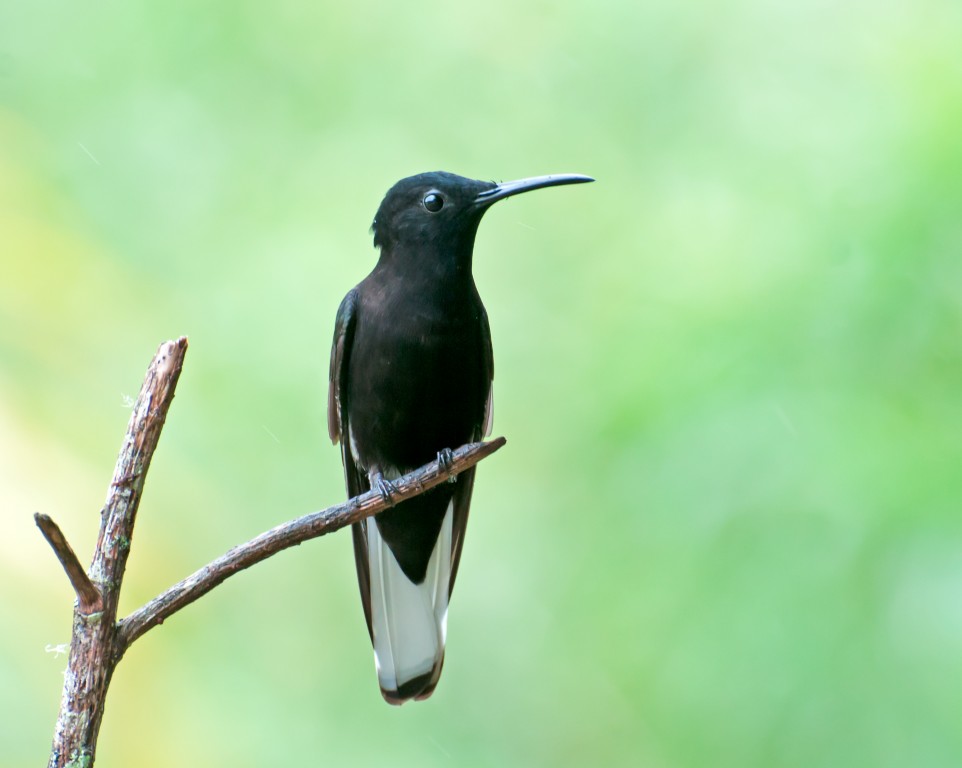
[{"x": 99, "y": 640}]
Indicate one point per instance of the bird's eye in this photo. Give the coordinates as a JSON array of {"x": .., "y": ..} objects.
[{"x": 433, "y": 202}]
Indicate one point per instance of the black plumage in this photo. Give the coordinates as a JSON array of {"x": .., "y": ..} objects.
[{"x": 410, "y": 376}]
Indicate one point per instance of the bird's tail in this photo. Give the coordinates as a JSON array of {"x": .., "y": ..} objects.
[{"x": 408, "y": 620}]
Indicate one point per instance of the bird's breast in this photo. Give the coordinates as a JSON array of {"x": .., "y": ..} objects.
[{"x": 416, "y": 381}]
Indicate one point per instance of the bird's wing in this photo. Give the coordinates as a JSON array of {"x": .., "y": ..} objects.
[
  {"x": 487, "y": 423},
  {"x": 340, "y": 350},
  {"x": 339, "y": 429},
  {"x": 465, "y": 483},
  {"x": 461, "y": 503}
]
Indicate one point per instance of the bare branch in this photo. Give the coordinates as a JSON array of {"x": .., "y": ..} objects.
[
  {"x": 295, "y": 532},
  {"x": 99, "y": 640},
  {"x": 94, "y": 646},
  {"x": 123, "y": 497},
  {"x": 88, "y": 595}
]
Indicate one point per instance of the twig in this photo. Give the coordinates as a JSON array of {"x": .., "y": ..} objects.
[
  {"x": 295, "y": 532},
  {"x": 88, "y": 595}
]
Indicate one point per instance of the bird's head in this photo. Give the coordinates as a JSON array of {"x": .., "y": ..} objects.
[{"x": 441, "y": 211}]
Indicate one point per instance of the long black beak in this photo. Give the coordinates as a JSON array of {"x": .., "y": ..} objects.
[{"x": 508, "y": 188}]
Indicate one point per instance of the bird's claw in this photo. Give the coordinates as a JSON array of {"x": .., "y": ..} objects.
[
  {"x": 445, "y": 461},
  {"x": 385, "y": 488}
]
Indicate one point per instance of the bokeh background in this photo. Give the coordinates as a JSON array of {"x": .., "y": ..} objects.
[{"x": 726, "y": 528}]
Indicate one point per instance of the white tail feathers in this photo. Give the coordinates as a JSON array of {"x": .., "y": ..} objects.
[{"x": 408, "y": 620}]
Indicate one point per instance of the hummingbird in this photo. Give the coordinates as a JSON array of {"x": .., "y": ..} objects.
[{"x": 411, "y": 377}]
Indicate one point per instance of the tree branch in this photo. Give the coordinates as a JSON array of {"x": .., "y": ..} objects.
[
  {"x": 94, "y": 646},
  {"x": 88, "y": 595},
  {"x": 295, "y": 532},
  {"x": 98, "y": 640}
]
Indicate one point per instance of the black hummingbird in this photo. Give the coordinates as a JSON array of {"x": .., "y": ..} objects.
[{"x": 410, "y": 378}]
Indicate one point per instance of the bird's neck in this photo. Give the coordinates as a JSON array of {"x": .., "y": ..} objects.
[
  {"x": 439, "y": 285},
  {"x": 445, "y": 269}
]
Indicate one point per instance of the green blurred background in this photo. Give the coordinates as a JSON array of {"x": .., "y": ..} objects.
[{"x": 725, "y": 530}]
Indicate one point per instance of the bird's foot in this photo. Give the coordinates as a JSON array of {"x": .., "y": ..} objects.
[
  {"x": 445, "y": 460},
  {"x": 384, "y": 487}
]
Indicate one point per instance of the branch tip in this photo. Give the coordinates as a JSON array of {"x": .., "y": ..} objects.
[{"x": 87, "y": 594}]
